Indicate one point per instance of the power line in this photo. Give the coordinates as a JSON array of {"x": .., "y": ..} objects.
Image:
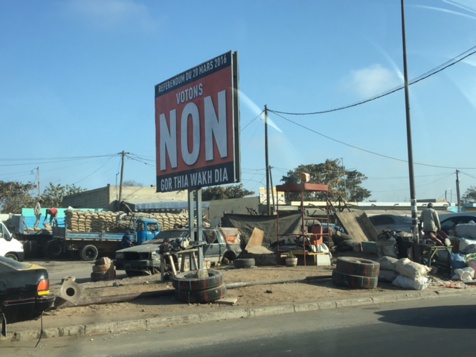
[
  {"x": 426, "y": 75},
  {"x": 369, "y": 151},
  {"x": 93, "y": 172},
  {"x": 36, "y": 161}
]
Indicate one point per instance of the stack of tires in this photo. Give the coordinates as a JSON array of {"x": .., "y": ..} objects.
[
  {"x": 356, "y": 273},
  {"x": 191, "y": 288},
  {"x": 103, "y": 270}
]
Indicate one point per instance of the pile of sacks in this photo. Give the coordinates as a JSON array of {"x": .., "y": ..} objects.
[
  {"x": 464, "y": 267},
  {"x": 463, "y": 256},
  {"x": 117, "y": 222},
  {"x": 404, "y": 273}
]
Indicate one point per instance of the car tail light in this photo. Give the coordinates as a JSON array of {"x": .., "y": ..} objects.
[{"x": 43, "y": 287}]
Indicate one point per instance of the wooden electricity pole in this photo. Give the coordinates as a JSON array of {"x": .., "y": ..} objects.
[
  {"x": 268, "y": 210},
  {"x": 122, "y": 176}
]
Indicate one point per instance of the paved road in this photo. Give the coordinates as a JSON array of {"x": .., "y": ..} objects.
[{"x": 436, "y": 327}]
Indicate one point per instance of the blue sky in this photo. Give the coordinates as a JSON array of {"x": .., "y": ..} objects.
[{"x": 78, "y": 76}]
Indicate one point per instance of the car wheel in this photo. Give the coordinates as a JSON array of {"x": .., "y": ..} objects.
[
  {"x": 11, "y": 256},
  {"x": 89, "y": 252},
  {"x": 53, "y": 249}
]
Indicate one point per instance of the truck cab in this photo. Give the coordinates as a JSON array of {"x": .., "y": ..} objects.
[
  {"x": 9, "y": 246},
  {"x": 146, "y": 229}
]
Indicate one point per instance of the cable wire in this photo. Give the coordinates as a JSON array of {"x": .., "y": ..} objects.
[
  {"x": 369, "y": 151},
  {"x": 426, "y": 75}
]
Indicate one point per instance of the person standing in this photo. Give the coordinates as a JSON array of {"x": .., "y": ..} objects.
[
  {"x": 38, "y": 213},
  {"x": 430, "y": 222},
  {"x": 127, "y": 240},
  {"x": 53, "y": 212}
]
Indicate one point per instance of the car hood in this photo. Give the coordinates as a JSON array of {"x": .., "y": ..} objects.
[{"x": 144, "y": 248}]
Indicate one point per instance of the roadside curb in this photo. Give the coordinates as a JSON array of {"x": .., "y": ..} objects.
[{"x": 95, "y": 329}]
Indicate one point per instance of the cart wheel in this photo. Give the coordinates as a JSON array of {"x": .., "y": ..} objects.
[{"x": 89, "y": 252}]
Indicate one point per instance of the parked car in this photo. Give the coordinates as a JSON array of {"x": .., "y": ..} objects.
[
  {"x": 146, "y": 259},
  {"x": 9, "y": 246},
  {"x": 393, "y": 222},
  {"x": 450, "y": 220},
  {"x": 24, "y": 292}
]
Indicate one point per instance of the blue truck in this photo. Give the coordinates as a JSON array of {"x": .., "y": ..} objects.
[
  {"x": 89, "y": 245},
  {"x": 59, "y": 242}
]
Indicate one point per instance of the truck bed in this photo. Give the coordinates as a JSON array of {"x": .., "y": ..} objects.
[{"x": 62, "y": 233}]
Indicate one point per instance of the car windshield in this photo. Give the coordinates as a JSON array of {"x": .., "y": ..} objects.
[{"x": 170, "y": 234}]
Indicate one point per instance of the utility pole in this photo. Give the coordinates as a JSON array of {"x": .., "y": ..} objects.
[
  {"x": 272, "y": 187},
  {"x": 457, "y": 191},
  {"x": 344, "y": 179},
  {"x": 39, "y": 187},
  {"x": 416, "y": 239},
  {"x": 122, "y": 176},
  {"x": 266, "y": 158}
]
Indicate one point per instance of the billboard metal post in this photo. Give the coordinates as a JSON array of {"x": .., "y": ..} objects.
[
  {"x": 195, "y": 216},
  {"x": 198, "y": 197}
]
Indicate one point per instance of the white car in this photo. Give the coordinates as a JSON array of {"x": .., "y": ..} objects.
[{"x": 9, "y": 246}]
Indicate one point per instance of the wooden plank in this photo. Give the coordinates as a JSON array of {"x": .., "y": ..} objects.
[
  {"x": 358, "y": 225},
  {"x": 256, "y": 238}
]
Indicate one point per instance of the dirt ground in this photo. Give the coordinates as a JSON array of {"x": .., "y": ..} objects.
[
  {"x": 316, "y": 284},
  {"x": 250, "y": 287}
]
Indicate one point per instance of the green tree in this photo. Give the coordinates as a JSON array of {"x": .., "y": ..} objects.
[
  {"x": 342, "y": 183},
  {"x": 16, "y": 195},
  {"x": 224, "y": 192},
  {"x": 470, "y": 195},
  {"x": 53, "y": 194},
  {"x": 131, "y": 183}
]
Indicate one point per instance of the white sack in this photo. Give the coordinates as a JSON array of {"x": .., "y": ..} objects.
[
  {"x": 464, "y": 274},
  {"x": 404, "y": 282},
  {"x": 411, "y": 269},
  {"x": 387, "y": 263},
  {"x": 387, "y": 276}
]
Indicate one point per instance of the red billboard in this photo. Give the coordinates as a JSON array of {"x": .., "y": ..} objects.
[{"x": 196, "y": 124}]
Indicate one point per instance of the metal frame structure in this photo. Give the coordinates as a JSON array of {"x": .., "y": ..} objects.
[{"x": 301, "y": 189}]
